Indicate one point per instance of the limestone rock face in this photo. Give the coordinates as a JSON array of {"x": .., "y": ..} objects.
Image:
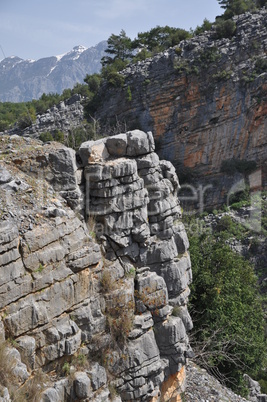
[
  {"x": 64, "y": 117},
  {"x": 205, "y": 102},
  {"x": 87, "y": 289}
]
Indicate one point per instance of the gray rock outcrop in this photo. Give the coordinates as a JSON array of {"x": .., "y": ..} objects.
[
  {"x": 255, "y": 394},
  {"x": 88, "y": 287},
  {"x": 65, "y": 117}
]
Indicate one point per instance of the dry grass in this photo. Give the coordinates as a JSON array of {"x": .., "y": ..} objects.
[
  {"x": 108, "y": 283},
  {"x": 29, "y": 391},
  {"x": 120, "y": 317},
  {"x": 91, "y": 226},
  {"x": 7, "y": 365},
  {"x": 32, "y": 389}
]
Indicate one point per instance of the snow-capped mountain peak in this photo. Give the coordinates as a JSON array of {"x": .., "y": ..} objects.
[
  {"x": 74, "y": 54},
  {"x": 23, "y": 80}
]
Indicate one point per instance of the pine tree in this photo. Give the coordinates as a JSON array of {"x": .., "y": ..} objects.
[
  {"x": 119, "y": 46},
  {"x": 236, "y": 7}
]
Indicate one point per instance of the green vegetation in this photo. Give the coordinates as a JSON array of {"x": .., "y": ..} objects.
[
  {"x": 24, "y": 113},
  {"x": 40, "y": 268},
  {"x": 224, "y": 28},
  {"x": 121, "y": 51},
  {"x": 206, "y": 26},
  {"x": 66, "y": 369},
  {"x": 159, "y": 38},
  {"x": 223, "y": 75},
  {"x": 261, "y": 65},
  {"x": 56, "y": 136},
  {"x": 208, "y": 55},
  {"x": 119, "y": 46},
  {"x": 228, "y": 335},
  {"x": 236, "y": 7},
  {"x": 129, "y": 94}
]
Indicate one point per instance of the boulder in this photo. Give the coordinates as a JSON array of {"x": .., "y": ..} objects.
[
  {"x": 139, "y": 143},
  {"x": 98, "y": 376},
  {"x": 5, "y": 176},
  {"x": 27, "y": 346},
  {"x": 63, "y": 165},
  {"x": 82, "y": 385}
]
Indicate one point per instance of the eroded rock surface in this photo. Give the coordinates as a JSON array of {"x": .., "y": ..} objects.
[
  {"x": 205, "y": 102},
  {"x": 93, "y": 292}
]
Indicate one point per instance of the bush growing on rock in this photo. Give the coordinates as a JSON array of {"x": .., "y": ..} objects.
[
  {"x": 227, "y": 312},
  {"x": 225, "y": 29},
  {"x": 45, "y": 137}
]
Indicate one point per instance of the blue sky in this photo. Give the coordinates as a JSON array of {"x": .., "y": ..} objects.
[{"x": 32, "y": 29}]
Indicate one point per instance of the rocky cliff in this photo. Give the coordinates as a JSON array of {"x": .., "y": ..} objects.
[
  {"x": 94, "y": 272},
  {"x": 205, "y": 102},
  {"x": 65, "y": 116}
]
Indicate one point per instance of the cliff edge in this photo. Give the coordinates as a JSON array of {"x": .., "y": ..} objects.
[
  {"x": 94, "y": 272},
  {"x": 205, "y": 102}
]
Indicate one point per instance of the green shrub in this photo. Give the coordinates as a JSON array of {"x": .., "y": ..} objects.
[
  {"x": 206, "y": 26},
  {"x": 142, "y": 55},
  {"x": 261, "y": 65},
  {"x": 240, "y": 204},
  {"x": 181, "y": 66},
  {"x": 115, "y": 79},
  {"x": 209, "y": 55},
  {"x": 129, "y": 94},
  {"x": 131, "y": 273},
  {"x": 223, "y": 75},
  {"x": 226, "y": 310},
  {"x": 227, "y": 228},
  {"x": 225, "y": 29},
  {"x": 178, "y": 51},
  {"x": 45, "y": 137},
  {"x": 24, "y": 121},
  {"x": 66, "y": 368},
  {"x": 93, "y": 81},
  {"x": 59, "y": 136}
]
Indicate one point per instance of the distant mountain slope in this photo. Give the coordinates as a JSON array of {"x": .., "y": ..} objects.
[{"x": 23, "y": 80}]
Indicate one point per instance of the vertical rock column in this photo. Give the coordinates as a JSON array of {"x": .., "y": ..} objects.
[{"x": 131, "y": 198}]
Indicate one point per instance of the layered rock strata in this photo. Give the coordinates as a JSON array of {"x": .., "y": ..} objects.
[
  {"x": 205, "y": 102},
  {"x": 66, "y": 116},
  {"x": 97, "y": 305}
]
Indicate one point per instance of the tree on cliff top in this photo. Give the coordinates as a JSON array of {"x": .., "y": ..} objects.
[
  {"x": 160, "y": 38},
  {"x": 123, "y": 50},
  {"x": 119, "y": 47},
  {"x": 236, "y": 7}
]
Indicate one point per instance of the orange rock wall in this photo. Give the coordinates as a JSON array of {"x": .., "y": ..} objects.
[
  {"x": 204, "y": 113},
  {"x": 173, "y": 388}
]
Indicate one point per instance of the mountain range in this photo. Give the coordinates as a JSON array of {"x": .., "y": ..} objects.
[{"x": 23, "y": 80}]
